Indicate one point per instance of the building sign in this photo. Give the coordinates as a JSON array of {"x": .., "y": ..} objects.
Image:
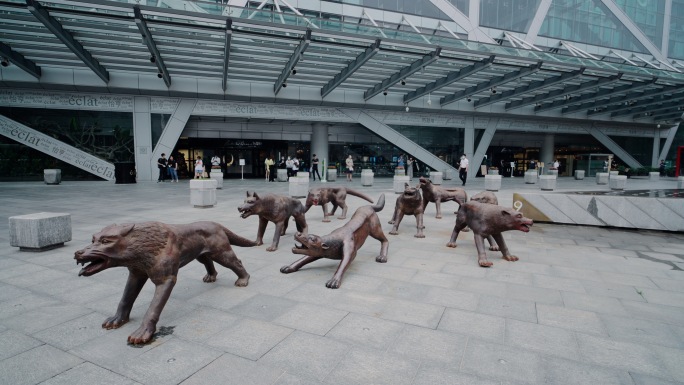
[
  {"x": 55, "y": 148},
  {"x": 163, "y": 105},
  {"x": 269, "y": 111},
  {"x": 65, "y": 100}
]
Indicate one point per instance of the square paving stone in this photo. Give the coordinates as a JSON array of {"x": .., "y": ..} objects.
[
  {"x": 23, "y": 370},
  {"x": 644, "y": 379},
  {"x": 651, "y": 311},
  {"x": 233, "y": 370},
  {"x": 672, "y": 359},
  {"x": 88, "y": 374},
  {"x": 593, "y": 303},
  {"x": 663, "y": 297},
  {"x": 249, "y": 338},
  {"x": 433, "y": 374},
  {"x": 414, "y": 313},
  {"x": 571, "y": 319},
  {"x": 263, "y": 307},
  {"x": 24, "y": 303},
  {"x": 473, "y": 324},
  {"x": 8, "y": 292},
  {"x": 642, "y": 331},
  {"x": 495, "y": 361},
  {"x": 362, "y": 367},
  {"x": 559, "y": 371},
  {"x": 403, "y": 290},
  {"x": 533, "y": 294},
  {"x": 613, "y": 290},
  {"x": 168, "y": 363},
  {"x": 483, "y": 286},
  {"x": 509, "y": 276},
  {"x": 366, "y": 331},
  {"x": 430, "y": 345},
  {"x": 203, "y": 323},
  {"x": 541, "y": 338},
  {"x": 292, "y": 379},
  {"x": 507, "y": 308},
  {"x": 452, "y": 298},
  {"x": 310, "y": 318},
  {"x": 306, "y": 355},
  {"x": 45, "y": 317},
  {"x": 432, "y": 279},
  {"x": 223, "y": 298},
  {"x": 558, "y": 283},
  {"x": 75, "y": 332},
  {"x": 14, "y": 343}
]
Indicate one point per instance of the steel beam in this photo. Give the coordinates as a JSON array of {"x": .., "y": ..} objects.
[
  {"x": 226, "y": 53},
  {"x": 19, "y": 60},
  {"x": 580, "y": 87},
  {"x": 151, "y": 45},
  {"x": 591, "y": 98},
  {"x": 620, "y": 103},
  {"x": 292, "y": 62},
  {"x": 491, "y": 83},
  {"x": 641, "y": 109},
  {"x": 403, "y": 74},
  {"x": 614, "y": 147},
  {"x": 529, "y": 88},
  {"x": 663, "y": 116},
  {"x": 449, "y": 79},
  {"x": 54, "y": 26},
  {"x": 351, "y": 68}
]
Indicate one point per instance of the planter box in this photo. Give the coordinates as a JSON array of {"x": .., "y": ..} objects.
[
  {"x": 52, "y": 175},
  {"x": 654, "y": 176},
  {"x": 39, "y": 231},
  {"x": 299, "y": 187},
  {"x": 281, "y": 175},
  {"x": 579, "y": 174},
  {"x": 203, "y": 192},
  {"x": 217, "y": 175},
  {"x": 602, "y": 178},
  {"x": 552, "y": 172},
  {"x": 492, "y": 182},
  {"x": 617, "y": 182},
  {"x": 531, "y": 177},
  {"x": 492, "y": 172},
  {"x": 448, "y": 174},
  {"x": 399, "y": 171},
  {"x": 436, "y": 177},
  {"x": 303, "y": 174},
  {"x": 367, "y": 177},
  {"x": 332, "y": 175},
  {"x": 613, "y": 173},
  {"x": 547, "y": 182},
  {"x": 399, "y": 181}
]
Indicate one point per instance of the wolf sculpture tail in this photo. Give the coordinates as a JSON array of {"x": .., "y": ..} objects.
[
  {"x": 237, "y": 240},
  {"x": 359, "y": 194},
  {"x": 380, "y": 205}
]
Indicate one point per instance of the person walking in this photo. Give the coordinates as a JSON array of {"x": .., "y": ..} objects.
[
  {"x": 288, "y": 165},
  {"x": 295, "y": 166},
  {"x": 161, "y": 164},
  {"x": 409, "y": 167},
  {"x": 349, "y": 162},
  {"x": 463, "y": 169},
  {"x": 173, "y": 167},
  {"x": 199, "y": 168},
  {"x": 314, "y": 168}
]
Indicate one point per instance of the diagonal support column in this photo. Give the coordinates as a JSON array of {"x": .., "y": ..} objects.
[
  {"x": 151, "y": 45},
  {"x": 614, "y": 147},
  {"x": 482, "y": 147},
  {"x": 173, "y": 130},
  {"x": 20, "y": 61},
  {"x": 672, "y": 132}
]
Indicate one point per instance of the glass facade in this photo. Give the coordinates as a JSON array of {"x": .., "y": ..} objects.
[
  {"x": 676, "y": 47},
  {"x": 512, "y": 15},
  {"x": 647, "y": 15},
  {"x": 590, "y": 22}
]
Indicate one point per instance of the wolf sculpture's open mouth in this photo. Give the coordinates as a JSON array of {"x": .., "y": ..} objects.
[{"x": 95, "y": 265}]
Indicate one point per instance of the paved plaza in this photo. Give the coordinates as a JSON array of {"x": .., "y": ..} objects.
[{"x": 583, "y": 305}]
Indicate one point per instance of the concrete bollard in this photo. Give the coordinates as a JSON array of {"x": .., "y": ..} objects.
[
  {"x": 52, "y": 175},
  {"x": 654, "y": 176},
  {"x": 331, "y": 176},
  {"x": 601, "y": 178},
  {"x": 617, "y": 182},
  {"x": 399, "y": 183},
  {"x": 39, "y": 231},
  {"x": 217, "y": 175},
  {"x": 492, "y": 182},
  {"x": 680, "y": 182},
  {"x": 552, "y": 172},
  {"x": 203, "y": 192},
  {"x": 436, "y": 177},
  {"x": 579, "y": 174},
  {"x": 281, "y": 175},
  {"x": 299, "y": 186},
  {"x": 547, "y": 182},
  {"x": 367, "y": 177},
  {"x": 613, "y": 173},
  {"x": 531, "y": 176}
]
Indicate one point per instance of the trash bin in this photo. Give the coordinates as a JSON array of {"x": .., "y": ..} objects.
[{"x": 124, "y": 172}]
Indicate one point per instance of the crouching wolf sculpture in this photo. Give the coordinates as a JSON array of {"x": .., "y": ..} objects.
[
  {"x": 277, "y": 209},
  {"x": 343, "y": 243},
  {"x": 335, "y": 195},
  {"x": 408, "y": 203},
  {"x": 155, "y": 251},
  {"x": 487, "y": 219}
]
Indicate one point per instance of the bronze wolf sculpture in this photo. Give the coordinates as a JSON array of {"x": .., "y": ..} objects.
[
  {"x": 321, "y": 196},
  {"x": 489, "y": 198},
  {"x": 277, "y": 209},
  {"x": 155, "y": 251},
  {"x": 484, "y": 220},
  {"x": 408, "y": 203},
  {"x": 343, "y": 243},
  {"x": 432, "y": 193}
]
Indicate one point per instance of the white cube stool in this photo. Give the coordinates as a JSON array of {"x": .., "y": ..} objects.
[{"x": 40, "y": 231}]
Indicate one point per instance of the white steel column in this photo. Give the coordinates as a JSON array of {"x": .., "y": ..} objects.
[
  {"x": 142, "y": 137},
  {"x": 655, "y": 155},
  {"x": 172, "y": 131},
  {"x": 665, "y": 44},
  {"x": 614, "y": 147},
  {"x": 668, "y": 141},
  {"x": 319, "y": 146},
  {"x": 469, "y": 137},
  {"x": 538, "y": 20},
  {"x": 483, "y": 146},
  {"x": 547, "y": 150},
  {"x": 634, "y": 29}
]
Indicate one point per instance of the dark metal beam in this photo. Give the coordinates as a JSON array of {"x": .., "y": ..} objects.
[
  {"x": 451, "y": 77},
  {"x": 657, "y": 116},
  {"x": 19, "y": 60},
  {"x": 294, "y": 59},
  {"x": 640, "y": 109},
  {"x": 578, "y": 88},
  {"x": 40, "y": 13},
  {"x": 621, "y": 103},
  {"x": 403, "y": 73},
  {"x": 351, "y": 68},
  {"x": 591, "y": 99},
  {"x": 151, "y": 45},
  {"x": 492, "y": 83},
  {"x": 539, "y": 85},
  {"x": 672, "y": 115},
  {"x": 226, "y": 53}
]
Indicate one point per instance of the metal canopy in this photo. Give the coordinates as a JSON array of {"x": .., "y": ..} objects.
[{"x": 198, "y": 40}]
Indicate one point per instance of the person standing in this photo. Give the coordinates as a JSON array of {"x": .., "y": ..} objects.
[
  {"x": 173, "y": 167},
  {"x": 661, "y": 168},
  {"x": 409, "y": 167},
  {"x": 463, "y": 169},
  {"x": 349, "y": 162},
  {"x": 314, "y": 168},
  {"x": 268, "y": 163},
  {"x": 288, "y": 165},
  {"x": 161, "y": 164},
  {"x": 199, "y": 168},
  {"x": 295, "y": 166}
]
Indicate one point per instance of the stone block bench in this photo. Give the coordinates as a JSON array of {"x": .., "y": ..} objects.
[{"x": 40, "y": 231}]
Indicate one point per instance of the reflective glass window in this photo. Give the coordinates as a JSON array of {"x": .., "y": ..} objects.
[
  {"x": 647, "y": 15},
  {"x": 413, "y": 7},
  {"x": 676, "y": 47},
  {"x": 588, "y": 22},
  {"x": 511, "y": 15}
]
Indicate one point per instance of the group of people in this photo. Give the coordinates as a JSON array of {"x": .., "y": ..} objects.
[{"x": 167, "y": 167}]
